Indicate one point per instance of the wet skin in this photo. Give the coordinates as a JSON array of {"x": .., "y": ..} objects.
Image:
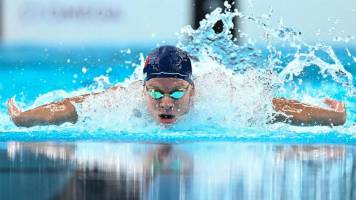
[{"x": 168, "y": 110}]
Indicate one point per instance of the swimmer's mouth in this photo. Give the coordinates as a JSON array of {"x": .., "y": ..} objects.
[{"x": 166, "y": 116}]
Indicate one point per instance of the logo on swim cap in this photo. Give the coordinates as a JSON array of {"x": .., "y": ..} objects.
[{"x": 168, "y": 62}]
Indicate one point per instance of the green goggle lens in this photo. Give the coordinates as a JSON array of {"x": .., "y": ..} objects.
[
  {"x": 158, "y": 95},
  {"x": 155, "y": 94},
  {"x": 177, "y": 94}
]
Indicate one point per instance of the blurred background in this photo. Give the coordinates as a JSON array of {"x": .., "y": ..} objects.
[
  {"x": 46, "y": 45},
  {"x": 123, "y": 21}
]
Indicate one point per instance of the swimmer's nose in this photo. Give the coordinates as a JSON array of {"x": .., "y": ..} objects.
[{"x": 167, "y": 103}]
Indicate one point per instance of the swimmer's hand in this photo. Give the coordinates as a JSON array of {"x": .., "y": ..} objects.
[
  {"x": 297, "y": 113},
  {"x": 336, "y": 106},
  {"x": 54, "y": 113},
  {"x": 13, "y": 110}
]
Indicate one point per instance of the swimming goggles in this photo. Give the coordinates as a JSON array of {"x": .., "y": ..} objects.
[{"x": 176, "y": 94}]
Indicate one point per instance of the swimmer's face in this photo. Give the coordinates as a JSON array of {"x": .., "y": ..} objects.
[{"x": 167, "y": 110}]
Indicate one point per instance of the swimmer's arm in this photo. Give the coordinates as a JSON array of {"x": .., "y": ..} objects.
[
  {"x": 297, "y": 113},
  {"x": 55, "y": 113}
]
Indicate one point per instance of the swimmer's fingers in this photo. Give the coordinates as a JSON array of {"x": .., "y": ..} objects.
[
  {"x": 335, "y": 105},
  {"x": 330, "y": 102},
  {"x": 13, "y": 110}
]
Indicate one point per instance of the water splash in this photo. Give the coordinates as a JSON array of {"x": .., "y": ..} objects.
[{"x": 204, "y": 42}]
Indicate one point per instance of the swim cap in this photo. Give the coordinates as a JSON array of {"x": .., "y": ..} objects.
[{"x": 168, "y": 62}]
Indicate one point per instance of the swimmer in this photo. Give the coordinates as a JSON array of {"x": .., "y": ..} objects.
[{"x": 168, "y": 92}]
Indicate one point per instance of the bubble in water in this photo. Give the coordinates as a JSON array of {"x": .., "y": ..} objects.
[
  {"x": 108, "y": 70},
  {"x": 84, "y": 70}
]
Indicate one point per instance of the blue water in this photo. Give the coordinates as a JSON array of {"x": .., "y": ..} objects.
[{"x": 29, "y": 71}]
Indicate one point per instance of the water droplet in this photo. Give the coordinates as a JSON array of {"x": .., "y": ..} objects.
[
  {"x": 109, "y": 70},
  {"x": 84, "y": 70}
]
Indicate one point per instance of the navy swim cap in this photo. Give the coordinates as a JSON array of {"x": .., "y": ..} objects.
[{"x": 168, "y": 62}]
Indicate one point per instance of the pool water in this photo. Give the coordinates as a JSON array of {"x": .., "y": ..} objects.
[{"x": 214, "y": 154}]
